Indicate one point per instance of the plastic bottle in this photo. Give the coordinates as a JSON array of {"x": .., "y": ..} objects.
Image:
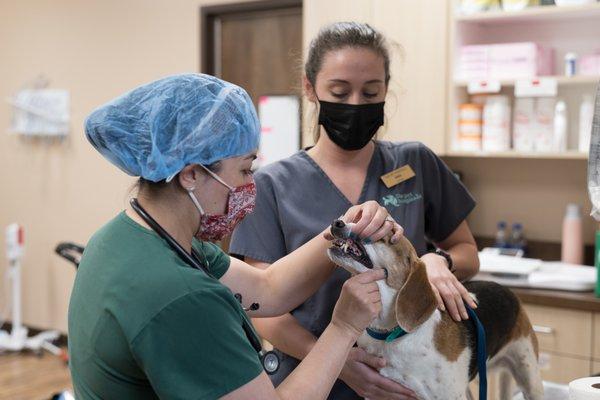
[
  {"x": 501, "y": 241},
  {"x": 570, "y": 64},
  {"x": 572, "y": 235},
  {"x": 496, "y": 124},
  {"x": 586, "y": 116},
  {"x": 517, "y": 237},
  {"x": 560, "y": 127},
  {"x": 469, "y": 127},
  {"x": 544, "y": 124},
  {"x": 518, "y": 5},
  {"x": 524, "y": 124}
]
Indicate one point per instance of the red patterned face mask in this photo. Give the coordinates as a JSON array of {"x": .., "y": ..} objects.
[{"x": 214, "y": 227}]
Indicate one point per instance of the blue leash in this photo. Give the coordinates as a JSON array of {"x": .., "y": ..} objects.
[
  {"x": 398, "y": 332},
  {"x": 481, "y": 353}
]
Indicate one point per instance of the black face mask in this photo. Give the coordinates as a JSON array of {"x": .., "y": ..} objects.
[{"x": 351, "y": 126}]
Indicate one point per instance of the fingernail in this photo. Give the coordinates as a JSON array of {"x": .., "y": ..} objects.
[
  {"x": 465, "y": 316},
  {"x": 394, "y": 239}
]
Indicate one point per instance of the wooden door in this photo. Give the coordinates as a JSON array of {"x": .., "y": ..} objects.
[
  {"x": 257, "y": 49},
  {"x": 256, "y": 45}
]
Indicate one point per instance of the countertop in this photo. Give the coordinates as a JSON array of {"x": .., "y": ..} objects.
[{"x": 583, "y": 301}]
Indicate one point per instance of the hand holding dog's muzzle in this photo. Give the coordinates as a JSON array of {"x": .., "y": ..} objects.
[{"x": 368, "y": 222}]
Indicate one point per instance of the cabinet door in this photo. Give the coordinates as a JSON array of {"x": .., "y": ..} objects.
[
  {"x": 596, "y": 342},
  {"x": 563, "y": 369},
  {"x": 595, "y": 368},
  {"x": 493, "y": 389},
  {"x": 562, "y": 331},
  {"x": 416, "y": 107}
]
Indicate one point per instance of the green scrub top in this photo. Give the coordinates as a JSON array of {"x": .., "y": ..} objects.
[{"x": 143, "y": 324}]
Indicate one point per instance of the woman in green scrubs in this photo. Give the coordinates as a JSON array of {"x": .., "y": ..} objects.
[{"x": 145, "y": 324}]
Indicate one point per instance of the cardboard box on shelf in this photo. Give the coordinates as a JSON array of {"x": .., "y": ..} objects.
[{"x": 505, "y": 61}]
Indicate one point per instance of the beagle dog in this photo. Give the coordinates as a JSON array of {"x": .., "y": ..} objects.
[{"x": 436, "y": 358}]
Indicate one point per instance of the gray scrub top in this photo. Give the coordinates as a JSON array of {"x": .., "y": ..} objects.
[{"x": 296, "y": 200}]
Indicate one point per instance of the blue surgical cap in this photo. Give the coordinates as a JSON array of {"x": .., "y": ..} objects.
[{"x": 157, "y": 129}]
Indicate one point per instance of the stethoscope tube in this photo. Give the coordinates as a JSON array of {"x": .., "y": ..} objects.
[{"x": 269, "y": 359}]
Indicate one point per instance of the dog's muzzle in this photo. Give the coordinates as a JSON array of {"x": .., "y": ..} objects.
[{"x": 346, "y": 244}]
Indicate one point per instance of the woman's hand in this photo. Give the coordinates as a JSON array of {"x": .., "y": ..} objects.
[
  {"x": 361, "y": 373},
  {"x": 359, "y": 302},
  {"x": 450, "y": 293},
  {"x": 371, "y": 221}
]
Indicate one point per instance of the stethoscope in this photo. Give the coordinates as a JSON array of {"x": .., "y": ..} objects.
[{"x": 269, "y": 359}]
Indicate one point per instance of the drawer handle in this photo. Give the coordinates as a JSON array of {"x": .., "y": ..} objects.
[{"x": 543, "y": 329}]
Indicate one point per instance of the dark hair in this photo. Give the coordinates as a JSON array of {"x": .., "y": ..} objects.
[
  {"x": 154, "y": 188},
  {"x": 345, "y": 34}
]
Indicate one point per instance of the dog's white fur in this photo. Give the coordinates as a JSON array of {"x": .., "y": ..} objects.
[{"x": 413, "y": 360}]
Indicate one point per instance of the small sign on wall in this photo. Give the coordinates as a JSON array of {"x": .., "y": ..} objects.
[
  {"x": 280, "y": 128},
  {"x": 41, "y": 112}
]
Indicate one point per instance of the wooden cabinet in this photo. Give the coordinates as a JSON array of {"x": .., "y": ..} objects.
[
  {"x": 563, "y": 369},
  {"x": 562, "y": 331},
  {"x": 596, "y": 341},
  {"x": 565, "y": 339},
  {"x": 417, "y": 32},
  {"x": 595, "y": 367}
]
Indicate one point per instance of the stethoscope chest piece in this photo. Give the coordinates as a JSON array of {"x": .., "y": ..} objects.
[{"x": 270, "y": 361}]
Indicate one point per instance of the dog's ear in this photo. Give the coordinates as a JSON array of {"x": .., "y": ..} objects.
[{"x": 415, "y": 301}]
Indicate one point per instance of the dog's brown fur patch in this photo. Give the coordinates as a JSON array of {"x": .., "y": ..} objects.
[
  {"x": 449, "y": 338},
  {"x": 523, "y": 328},
  {"x": 415, "y": 301},
  {"x": 405, "y": 257}
]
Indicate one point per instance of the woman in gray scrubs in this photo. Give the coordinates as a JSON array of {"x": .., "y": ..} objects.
[{"x": 346, "y": 77}]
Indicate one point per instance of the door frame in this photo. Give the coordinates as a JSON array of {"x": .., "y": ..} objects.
[{"x": 209, "y": 14}]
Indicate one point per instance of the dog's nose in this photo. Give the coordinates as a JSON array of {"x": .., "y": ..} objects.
[{"x": 338, "y": 229}]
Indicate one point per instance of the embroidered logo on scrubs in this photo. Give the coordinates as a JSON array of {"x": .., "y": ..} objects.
[{"x": 400, "y": 198}]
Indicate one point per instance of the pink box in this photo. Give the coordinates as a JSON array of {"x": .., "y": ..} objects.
[
  {"x": 589, "y": 65},
  {"x": 505, "y": 61}
]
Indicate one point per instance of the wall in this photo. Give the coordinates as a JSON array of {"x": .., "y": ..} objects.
[
  {"x": 533, "y": 192},
  {"x": 64, "y": 191},
  {"x": 417, "y": 33}
]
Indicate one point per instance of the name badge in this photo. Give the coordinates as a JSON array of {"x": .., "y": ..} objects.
[{"x": 397, "y": 176}]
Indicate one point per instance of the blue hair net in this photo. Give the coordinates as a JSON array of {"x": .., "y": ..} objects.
[{"x": 157, "y": 129}]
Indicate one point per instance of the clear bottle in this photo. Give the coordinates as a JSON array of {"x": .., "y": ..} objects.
[
  {"x": 586, "y": 116},
  {"x": 496, "y": 124},
  {"x": 570, "y": 64},
  {"x": 572, "y": 236},
  {"x": 517, "y": 237},
  {"x": 560, "y": 127},
  {"x": 501, "y": 235}
]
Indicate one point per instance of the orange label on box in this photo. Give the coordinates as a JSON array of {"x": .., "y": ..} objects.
[{"x": 398, "y": 176}]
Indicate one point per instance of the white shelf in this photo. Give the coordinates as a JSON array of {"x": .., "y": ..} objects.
[
  {"x": 569, "y": 155},
  {"x": 561, "y": 81},
  {"x": 531, "y": 14}
]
